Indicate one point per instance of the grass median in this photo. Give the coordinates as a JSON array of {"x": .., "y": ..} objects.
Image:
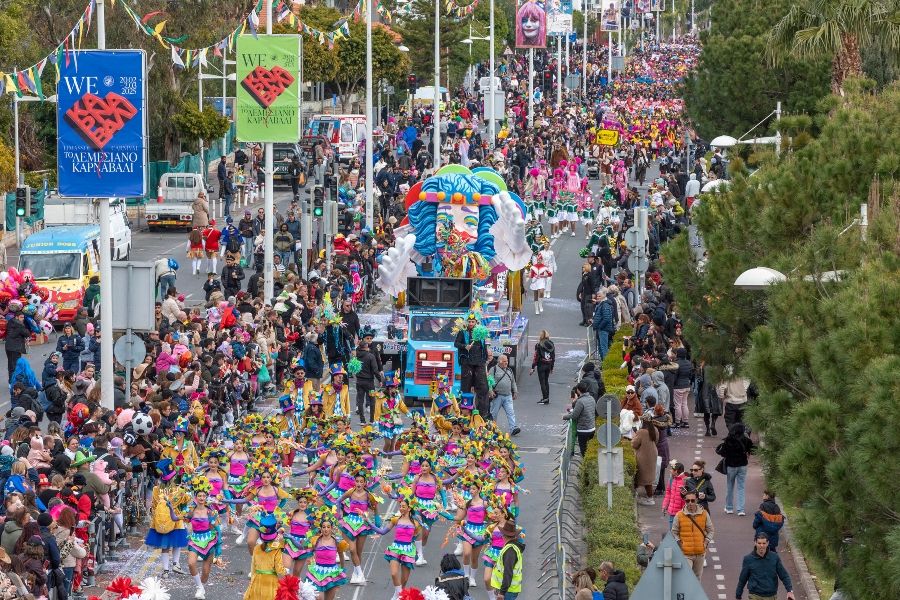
[{"x": 611, "y": 535}]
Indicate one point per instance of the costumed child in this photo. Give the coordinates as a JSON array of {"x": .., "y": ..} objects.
[
  {"x": 389, "y": 410},
  {"x": 538, "y": 275},
  {"x": 572, "y": 189},
  {"x": 550, "y": 262},
  {"x": 297, "y": 537},
  {"x": 238, "y": 478},
  {"x": 353, "y": 508},
  {"x": 264, "y": 494},
  {"x": 555, "y": 204},
  {"x": 443, "y": 405},
  {"x": 267, "y": 566},
  {"x": 336, "y": 395},
  {"x": 534, "y": 194},
  {"x": 181, "y": 450},
  {"x": 167, "y": 531},
  {"x": 195, "y": 249},
  {"x": 498, "y": 517},
  {"x": 401, "y": 554},
  {"x": 325, "y": 571},
  {"x": 586, "y": 207},
  {"x": 203, "y": 539},
  {"x": 472, "y": 524},
  {"x": 211, "y": 237}
]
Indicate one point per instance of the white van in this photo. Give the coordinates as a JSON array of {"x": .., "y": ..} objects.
[
  {"x": 59, "y": 212},
  {"x": 344, "y": 132}
]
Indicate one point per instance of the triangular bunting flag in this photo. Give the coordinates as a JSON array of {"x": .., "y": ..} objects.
[
  {"x": 202, "y": 57},
  {"x": 10, "y": 84},
  {"x": 36, "y": 82},
  {"x": 176, "y": 59}
]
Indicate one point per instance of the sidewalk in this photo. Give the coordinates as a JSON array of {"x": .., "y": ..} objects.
[{"x": 733, "y": 534}]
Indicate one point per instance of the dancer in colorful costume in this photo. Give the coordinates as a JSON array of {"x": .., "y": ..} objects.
[{"x": 325, "y": 571}]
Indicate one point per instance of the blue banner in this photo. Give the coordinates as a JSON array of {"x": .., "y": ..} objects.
[{"x": 101, "y": 118}]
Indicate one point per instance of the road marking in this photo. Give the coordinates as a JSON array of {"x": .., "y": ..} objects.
[
  {"x": 720, "y": 577},
  {"x": 715, "y": 558},
  {"x": 723, "y": 596},
  {"x": 720, "y": 586},
  {"x": 717, "y": 567}
]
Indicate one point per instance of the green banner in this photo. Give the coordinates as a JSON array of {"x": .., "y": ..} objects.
[{"x": 268, "y": 87}]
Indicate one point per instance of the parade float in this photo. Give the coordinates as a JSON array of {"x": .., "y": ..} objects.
[{"x": 459, "y": 251}]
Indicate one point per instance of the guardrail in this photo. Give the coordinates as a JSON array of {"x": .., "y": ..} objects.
[{"x": 561, "y": 546}]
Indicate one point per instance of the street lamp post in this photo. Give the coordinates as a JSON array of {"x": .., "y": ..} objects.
[
  {"x": 491, "y": 123},
  {"x": 370, "y": 139},
  {"x": 269, "y": 204},
  {"x": 17, "y": 157},
  {"x": 214, "y": 209},
  {"x": 436, "y": 113}
]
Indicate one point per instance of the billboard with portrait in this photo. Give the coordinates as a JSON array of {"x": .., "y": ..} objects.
[
  {"x": 268, "y": 87},
  {"x": 531, "y": 25},
  {"x": 101, "y": 120},
  {"x": 559, "y": 17},
  {"x": 657, "y": 5},
  {"x": 610, "y": 17}
]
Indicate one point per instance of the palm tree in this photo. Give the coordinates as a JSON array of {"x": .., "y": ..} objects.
[{"x": 835, "y": 29}]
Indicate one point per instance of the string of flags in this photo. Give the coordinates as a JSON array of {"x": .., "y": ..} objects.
[
  {"x": 28, "y": 80},
  {"x": 454, "y": 9}
]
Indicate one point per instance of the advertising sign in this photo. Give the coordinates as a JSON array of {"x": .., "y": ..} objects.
[
  {"x": 101, "y": 119},
  {"x": 268, "y": 85},
  {"x": 531, "y": 25},
  {"x": 559, "y": 17},
  {"x": 610, "y": 15},
  {"x": 608, "y": 137}
]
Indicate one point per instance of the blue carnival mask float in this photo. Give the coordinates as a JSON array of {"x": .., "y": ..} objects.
[{"x": 459, "y": 223}]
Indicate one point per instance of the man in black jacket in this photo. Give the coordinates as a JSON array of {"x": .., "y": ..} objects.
[
  {"x": 56, "y": 398},
  {"x": 17, "y": 336},
  {"x": 616, "y": 588},
  {"x": 473, "y": 363},
  {"x": 232, "y": 275},
  {"x": 365, "y": 381}
]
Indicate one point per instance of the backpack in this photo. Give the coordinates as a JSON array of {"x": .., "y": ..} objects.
[
  {"x": 163, "y": 526},
  {"x": 233, "y": 246}
]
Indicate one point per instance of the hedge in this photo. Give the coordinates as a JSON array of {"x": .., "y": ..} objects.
[{"x": 611, "y": 535}]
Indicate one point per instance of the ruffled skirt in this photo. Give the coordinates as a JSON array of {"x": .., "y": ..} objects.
[
  {"x": 177, "y": 538},
  {"x": 204, "y": 544},
  {"x": 297, "y": 547},
  {"x": 489, "y": 556},
  {"x": 403, "y": 553},
  {"x": 473, "y": 533},
  {"x": 354, "y": 525},
  {"x": 325, "y": 577}
]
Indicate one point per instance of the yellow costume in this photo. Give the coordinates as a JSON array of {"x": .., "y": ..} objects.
[
  {"x": 267, "y": 569},
  {"x": 161, "y": 517},
  {"x": 330, "y": 400},
  {"x": 183, "y": 456}
]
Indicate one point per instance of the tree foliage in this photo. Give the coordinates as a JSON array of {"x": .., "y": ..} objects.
[
  {"x": 733, "y": 86},
  {"x": 7, "y": 167},
  {"x": 192, "y": 123},
  {"x": 418, "y": 34},
  {"x": 388, "y": 62},
  {"x": 823, "y": 355}
]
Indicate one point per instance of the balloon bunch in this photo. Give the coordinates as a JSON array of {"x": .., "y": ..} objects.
[{"x": 20, "y": 293}]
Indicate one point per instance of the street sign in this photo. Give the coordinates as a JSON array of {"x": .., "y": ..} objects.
[
  {"x": 638, "y": 264},
  {"x": 133, "y": 293},
  {"x": 608, "y": 137},
  {"x": 669, "y": 576},
  {"x": 613, "y": 432},
  {"x": 101, "y": 120},
  {"x": 573, "y": 82},
  {"x": 614, "y": 405},
  {"x": 633, "y": 237},
  {"x": 268, "y": 85},
  {"x": 129, "y": 350}
]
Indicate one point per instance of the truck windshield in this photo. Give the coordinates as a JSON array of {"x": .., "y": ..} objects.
[
  {"x": 432, "y": 328},
  {"x": 48, "y": 267}
]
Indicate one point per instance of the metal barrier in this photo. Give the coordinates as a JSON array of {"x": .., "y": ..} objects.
[
  {"x": 560, "y": 547},
  {"x": 104, "y": 537}
]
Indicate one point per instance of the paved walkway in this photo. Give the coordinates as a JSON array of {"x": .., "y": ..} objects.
[{"x": 734, "y": 535}]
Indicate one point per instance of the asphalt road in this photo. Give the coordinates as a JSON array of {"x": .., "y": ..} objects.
[{"x": 539, "y": 442}]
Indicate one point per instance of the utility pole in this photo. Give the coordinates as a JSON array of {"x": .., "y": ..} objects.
[
  {"x": 269, "y": 198},
  {"x": 106, "y": 333}
]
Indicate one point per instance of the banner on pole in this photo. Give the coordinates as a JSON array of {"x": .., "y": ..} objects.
[
  {"x": 531, "y": 25},
  {"x": 268, "y": 86},
  {"x": 610, "y": 18},
  {"x": 101, "y": 120},
  {"x": 559, "y": 17}
]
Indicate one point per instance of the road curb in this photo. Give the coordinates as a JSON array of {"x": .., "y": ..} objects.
[{"x": 806, "y": 578}]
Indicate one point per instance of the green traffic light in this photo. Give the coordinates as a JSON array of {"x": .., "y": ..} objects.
[
  {"x": 20, "y": 212},
  {"x": 318, "y": 211}
]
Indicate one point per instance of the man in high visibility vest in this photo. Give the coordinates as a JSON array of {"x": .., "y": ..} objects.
[{"x": 506, "y": 579}]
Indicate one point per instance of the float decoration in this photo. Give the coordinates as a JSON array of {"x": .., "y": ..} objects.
[
  {"x": 20, "y": 293},
  {"x": 459, "y": 223}
]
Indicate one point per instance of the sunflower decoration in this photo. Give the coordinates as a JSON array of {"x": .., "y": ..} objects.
[
  {"x": 346, "y": 445},
  {"x": 473, "y": 447},
  {"x": 198, "y": 484},
  {"x": 323, "y": 514},
  {"x": 407, "y": 495},
  {"x": 263, "y": 464},
  {"x": 418, "y": 420},
  {"x": 304, "y": 493},
  {"x": 357, "y": 470},
  {"x": 468, "y": 479},
  {"x": 214, "y": 451},
  {"x": 367, "y": 433}
]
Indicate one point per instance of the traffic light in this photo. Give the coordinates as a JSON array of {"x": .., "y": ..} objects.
[
  {"x": 318, "y": 201},
  {"x": 411, "y": 83},
  {"x": 332, "y": 183},
  {"x": 33, "y": 205},
  {"x": 23, "y": 197}
]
